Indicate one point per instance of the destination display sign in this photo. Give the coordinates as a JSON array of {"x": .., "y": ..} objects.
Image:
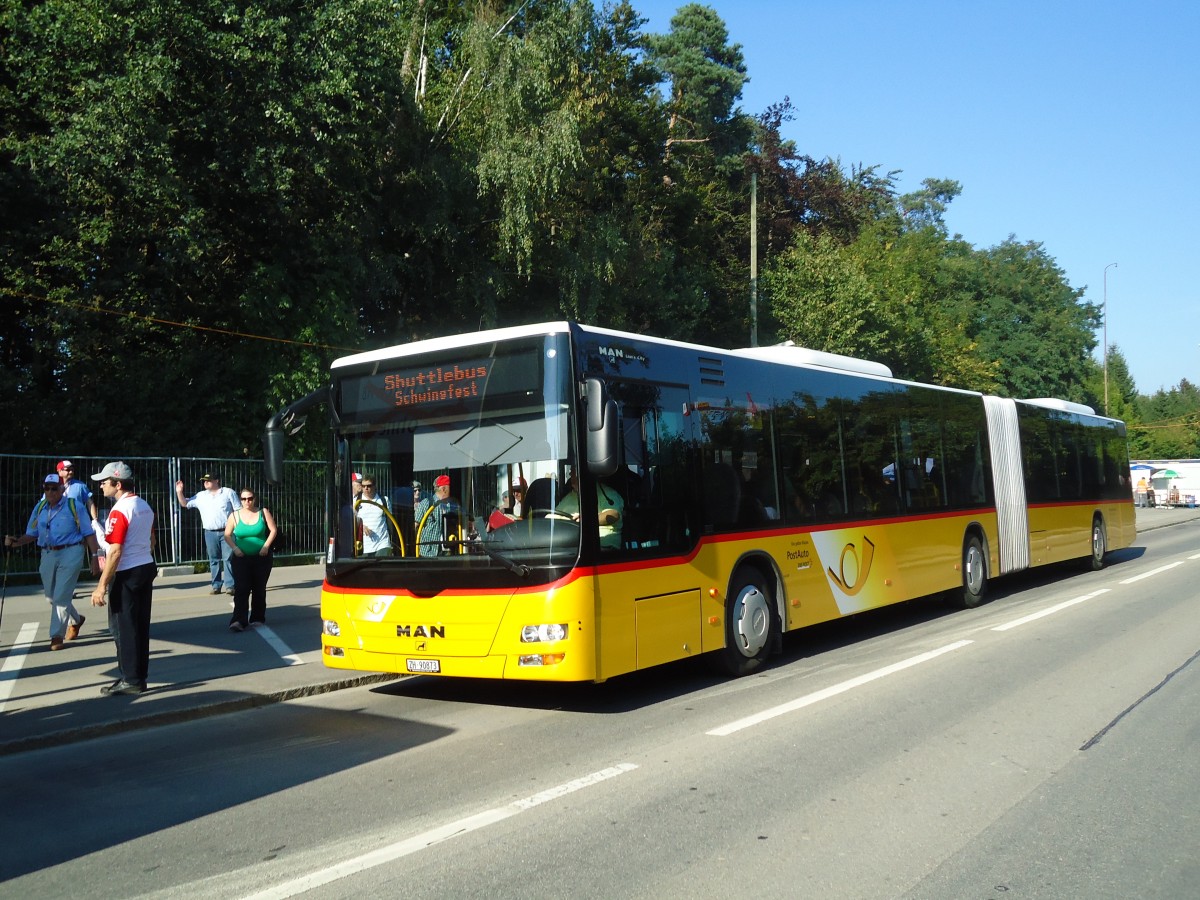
[
  {"x": 436, "y": 384},
  {"x": 451, "y": 387}
]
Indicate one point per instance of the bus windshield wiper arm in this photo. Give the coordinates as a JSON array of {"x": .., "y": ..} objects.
[{"x": 514, "y": 567}]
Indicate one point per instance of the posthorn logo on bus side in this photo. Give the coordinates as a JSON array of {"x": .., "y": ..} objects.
[{"x": 860, "y": 568}]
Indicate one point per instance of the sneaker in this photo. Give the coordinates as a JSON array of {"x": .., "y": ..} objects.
[
  {"x": 215, "y": 590},
  {"x": 236, "y": 626},
  {"x": 257, "y": 623},
  {"x": 75, "y": 627},
  {"x": 123, "y": 687},
  {"x": 56, "y": 643},
  {"x": 229, "y": 591}
]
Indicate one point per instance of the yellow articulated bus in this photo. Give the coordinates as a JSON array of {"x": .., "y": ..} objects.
[{"x": 568, "y": 503}]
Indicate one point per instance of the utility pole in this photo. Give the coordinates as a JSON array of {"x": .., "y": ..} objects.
[
  {"x": 1106, "y": 268},
  {"x": 754, "y": 259}
]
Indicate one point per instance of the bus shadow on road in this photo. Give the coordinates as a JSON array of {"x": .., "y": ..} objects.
[
  {"x": 672, "y": 681},
  {"x": 665, "y": 683}
]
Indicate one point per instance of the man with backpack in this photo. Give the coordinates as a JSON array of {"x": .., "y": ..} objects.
[{"x": 64, "y": 539}]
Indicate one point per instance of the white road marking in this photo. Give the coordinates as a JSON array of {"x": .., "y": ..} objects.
[
  {"x": 1152, "y": 572},
  {"x": 434, "y": 836},
  {"x": 810, "y": 699},
  {"x": 1049, "y": 610},
  {"x": 286, "y": 653},
  {"x": 14, "y": 660}
]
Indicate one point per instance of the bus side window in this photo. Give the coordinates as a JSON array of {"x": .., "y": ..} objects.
[{"x": 655, "y": 477}]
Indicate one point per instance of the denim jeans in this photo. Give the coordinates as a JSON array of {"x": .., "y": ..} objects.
[{"x": 219, "y": 554}]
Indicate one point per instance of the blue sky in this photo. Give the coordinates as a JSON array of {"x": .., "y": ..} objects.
[{"x": 1073, "y": 124}]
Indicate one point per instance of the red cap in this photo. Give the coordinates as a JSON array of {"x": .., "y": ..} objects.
[
  {"x": 65, "y": 464},
  {"x": 355, "y": 476},
  {"x": 442, "y": 481}
]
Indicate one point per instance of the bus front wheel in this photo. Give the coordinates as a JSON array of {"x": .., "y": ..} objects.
[
  {"x": 750, "y": 623},
  {"x": 974, "y": 573}
]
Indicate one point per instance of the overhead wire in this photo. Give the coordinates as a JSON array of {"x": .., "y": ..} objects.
[{"x": 192, "y": 326}]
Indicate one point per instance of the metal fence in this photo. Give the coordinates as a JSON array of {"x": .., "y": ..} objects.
[{"x": 298, "y": 504}]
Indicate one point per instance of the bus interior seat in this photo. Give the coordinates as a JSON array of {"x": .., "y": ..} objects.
[{"x": 541, "y": 494}]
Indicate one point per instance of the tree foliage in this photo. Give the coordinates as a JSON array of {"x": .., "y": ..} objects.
[
  {"x": 1168, "y": 425},
  {"x": 207, "y": 201}
]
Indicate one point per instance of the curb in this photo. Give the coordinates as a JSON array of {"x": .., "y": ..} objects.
[{"x": 172, "y": 717}]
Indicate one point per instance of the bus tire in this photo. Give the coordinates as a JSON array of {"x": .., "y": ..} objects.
[
  {"x": 974, "y": 573},
  {"x": 1095, "y": 560},
  {"x": 750, "y": 623}
]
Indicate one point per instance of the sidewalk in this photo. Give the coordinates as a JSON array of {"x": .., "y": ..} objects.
[
  {"x": 1160, "y": 516},
  {"x": 197, "y": 666}
]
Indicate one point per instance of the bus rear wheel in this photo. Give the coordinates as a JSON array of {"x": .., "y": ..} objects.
[
  {"x": 750, "y": 624},
  {"x": 1099, "y": 545},
  {"x": 974, "y": 573}
]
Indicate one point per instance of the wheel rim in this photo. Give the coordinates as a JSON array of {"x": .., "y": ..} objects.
[
  {"x": 973, "y": 577},
  {"x": 1097, "y": 542},
  {"x": 752, "y": 621}
]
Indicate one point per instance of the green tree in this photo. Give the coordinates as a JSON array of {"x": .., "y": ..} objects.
[
  {"x": 1022, "y": 312},
  {"x": 925, "y": 208},
  {"x": 705, "y": 207},
  {"x": 888, "y": 295},
  {"x": 203, "y": 172},
  {"x": 1122, "y": 391},
  {"x": 1170, "y": 423},
  {"x": 707, "y": 75}
]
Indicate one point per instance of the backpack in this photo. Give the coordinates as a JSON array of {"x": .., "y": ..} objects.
[{"x": 41, "y": 504}]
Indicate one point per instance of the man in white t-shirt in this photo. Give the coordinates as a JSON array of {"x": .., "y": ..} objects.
[
  {"x": 371, "y": 511},
  {"x": 128, "y": 576},
  {"x": 216, "y": 504}
]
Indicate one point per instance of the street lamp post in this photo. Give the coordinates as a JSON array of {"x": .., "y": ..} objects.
[{"x": 1106, "y": 268}]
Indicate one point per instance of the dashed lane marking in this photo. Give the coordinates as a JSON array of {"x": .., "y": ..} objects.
[
  {"x": 1153, "y": 572},
  {"x": 1049, "y": 611},
  {"x": 434, "y": 836},
  {"x": 14, "y": 660},
  {"x": 826, "y": 693}
]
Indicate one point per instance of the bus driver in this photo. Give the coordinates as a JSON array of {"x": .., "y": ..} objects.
[{"x": 608, "y": 501}]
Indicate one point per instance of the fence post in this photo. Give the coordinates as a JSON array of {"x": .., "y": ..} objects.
[{"x": 173, "y": 470}]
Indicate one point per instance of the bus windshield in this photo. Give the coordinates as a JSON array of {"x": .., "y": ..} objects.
[{"x": 454, "y": 459}]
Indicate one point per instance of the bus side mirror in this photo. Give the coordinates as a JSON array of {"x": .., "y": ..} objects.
[
  {"x": 601, "y": 429},
  {"x": 273, "y": 443},
  {"x": 287, "y": 421}
]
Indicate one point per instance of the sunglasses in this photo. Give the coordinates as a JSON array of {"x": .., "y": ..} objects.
[
  {"x": 367, "y": 484},
  {"x": 247, "y": 499}
]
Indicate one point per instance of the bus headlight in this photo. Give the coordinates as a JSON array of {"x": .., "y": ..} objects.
[
  {"x": 538, "y": 634},
  {"x": 331, "y": 628}
]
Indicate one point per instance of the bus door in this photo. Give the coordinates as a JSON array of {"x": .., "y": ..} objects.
[{"x": 657, "y": 481}]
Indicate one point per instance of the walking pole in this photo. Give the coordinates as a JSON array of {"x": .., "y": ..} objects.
[{"x": 4, "y": 589}]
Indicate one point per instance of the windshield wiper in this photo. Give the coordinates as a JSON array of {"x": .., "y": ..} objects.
[{"x": 515, "y": 567}]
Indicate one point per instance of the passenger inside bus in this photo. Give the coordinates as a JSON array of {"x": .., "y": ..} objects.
[
  {"x": 509, "y": 509},
  {"x": 438, "y": 521},
  {"x": 610, "y": 505}
]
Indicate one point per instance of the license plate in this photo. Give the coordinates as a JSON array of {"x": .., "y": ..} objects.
[{"x": 424, "y": 665}]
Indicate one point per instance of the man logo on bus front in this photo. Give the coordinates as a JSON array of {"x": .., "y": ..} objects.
[{"x": 862, "y": 569}]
